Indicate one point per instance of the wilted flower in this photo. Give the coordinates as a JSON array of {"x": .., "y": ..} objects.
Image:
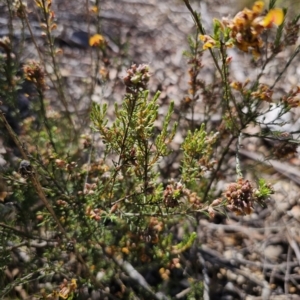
[
  {"x": 5, "y": 43},
  {"x": 248, "y": 25},
  {"x": 263, "y": 93},
  {"x": 34, "y": 72},
  {"x": 137, "y": 78},
  {"x": 172, "y": 194},
  {"x": 20, "y": 8},
  {"x": 292, "y": 98}
]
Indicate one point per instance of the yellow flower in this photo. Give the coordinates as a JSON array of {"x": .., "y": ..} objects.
[
  {"x": 203, "y": 38},
  {"x": 274, "y": 16},
  {"x": 73, "y": 284},
  {"x": 94, "y": 9},
  {"x": 208, "y": 45},
  {"x": 209, "y": 42},
  {"x": 96, "y": 40},
  {"x": 236, "y": 85},
  {"x": 258, "y": 7}
]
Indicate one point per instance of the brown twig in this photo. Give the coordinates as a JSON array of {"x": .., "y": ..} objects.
[{"x": 214, "y": 258}]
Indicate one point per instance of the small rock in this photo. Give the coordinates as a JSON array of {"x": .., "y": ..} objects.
[
  {"x": 231, "y": 276},
  {"x": 240, "y": 279},
  {"x": 295, "y": 212},
  {"x": 272, "y": 252}
]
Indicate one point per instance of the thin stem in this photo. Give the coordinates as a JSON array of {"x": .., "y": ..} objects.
[
  {"x": 227, "y": 91},
  {"x": 237, "y": 158},
  {"x": 56, "y": 71},
  {"x": 22, "y": 234},
  {"x": 132, "y": 98},
  {"x": 296, "y": 52},
  {"x": 98, "y": 56},
  {"x": 202, "y": 31},
  {"x": 287, "y": 272},
  {"x": 45, "y": 119},
  {"x": 58, "y": 89},
  {"x": 220, "y": 163}
]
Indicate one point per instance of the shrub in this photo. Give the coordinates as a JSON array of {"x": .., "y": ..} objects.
[{"x": 92, "y": 208}]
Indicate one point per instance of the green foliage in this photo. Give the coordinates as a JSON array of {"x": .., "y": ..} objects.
[
  {"x": 197, "y": 150},
  {"x": 196, "y": 292},
  {"x": 131, "y": 140},
  {"x": 264, "y": 189}
]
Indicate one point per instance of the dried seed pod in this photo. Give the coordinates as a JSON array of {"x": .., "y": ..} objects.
[{"x": 240, "y": 197}]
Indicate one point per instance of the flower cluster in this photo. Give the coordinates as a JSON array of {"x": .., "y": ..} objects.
[
  {"x": 193, "y": 198},
  {"x": 263, "y": 92},
  {"x": 240, "y": 197},
  {"x": 20, "y": 8},
  {"x": 248, "y": 25},
  {"x": 176, "y": 193},
  {"x": 93, "y": 213},
  {"x": 195, "y": 84},
  {"x": 245, "y": 29},
  {"x": 137, "y": 78},
  {"x": 292, "y": 98},
  {"x": 89, "y": 188},
  {"x": 165, "y": 273},
  {"x": 151, "y": 233},
  {"x": 172, "y": 193},
  {"x": 34, "y": 72},
  {"x": 208, "y": 41},
  {"x": 66, "y": 290}
]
